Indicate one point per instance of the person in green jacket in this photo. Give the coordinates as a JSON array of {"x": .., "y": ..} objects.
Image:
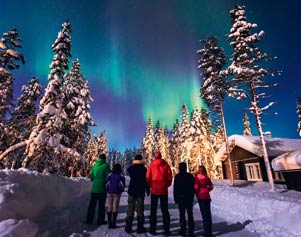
[{"x": 98, "y": 176}]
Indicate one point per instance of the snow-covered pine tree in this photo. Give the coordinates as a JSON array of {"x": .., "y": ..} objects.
[
  {"x": 44, "y": 148},
  {"x": 103, "y": 143},
  {"x": 197, "y": 137},
  {"x": 247, "y": 129},
  {"x": 299, "y": 115},
  {"x": 218, "y": 141},
  {"x": 208, "y": 149},
  {"x": 160, "y": 139},
  {"x": 9, "y": 60},
  {"x": 76, "y": 103},
  {"x": 167, "y": 147},
  {"x": 214, "y": 87},
  {"x": 148, "y": 142},
  {"x": 22, "y": 120},
  {"x": 175, "y": 147},
  {"x": 247, "y": 72},
  {"x": 185, "y": 137}
]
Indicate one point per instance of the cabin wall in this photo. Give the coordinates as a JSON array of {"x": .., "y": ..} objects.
[
  {"x": 293, "y": 179},
  {"x": 240, "y": 157}
]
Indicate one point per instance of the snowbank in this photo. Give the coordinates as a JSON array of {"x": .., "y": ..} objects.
[
  {"x": 33, "y": 203},
  {"x": 268, "y": 212}
]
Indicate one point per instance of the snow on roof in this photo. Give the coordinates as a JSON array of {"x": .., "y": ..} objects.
[
  {"x": 275, "y": 146},
  {"x": 287, "y": 161}
]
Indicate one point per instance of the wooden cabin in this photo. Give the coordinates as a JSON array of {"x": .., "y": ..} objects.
[
  {"x": 289, "y": 165},
  {"x": 246, "y": 156}
]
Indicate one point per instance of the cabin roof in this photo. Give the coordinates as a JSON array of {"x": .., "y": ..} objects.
[
  {"x": 275, "y": 146},
  {"x": 287, "y": 161}
]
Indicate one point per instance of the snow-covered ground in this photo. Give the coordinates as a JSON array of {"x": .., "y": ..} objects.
[{"x": 33, "y": 204}]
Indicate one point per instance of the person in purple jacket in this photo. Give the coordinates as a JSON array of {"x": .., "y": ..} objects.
[{"x": 115, "y": 184}]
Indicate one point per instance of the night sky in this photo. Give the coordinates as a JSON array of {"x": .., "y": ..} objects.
[{"x": 140, "y": 59}]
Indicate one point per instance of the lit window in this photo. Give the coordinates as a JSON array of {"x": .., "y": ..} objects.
[
  {"x": 278, "y": 176},
  {"x": 253, "y": 172}
]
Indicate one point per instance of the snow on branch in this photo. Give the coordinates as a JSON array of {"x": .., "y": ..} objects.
[
  {"x": 12, "y": 148},
  {"x": 267, "y": 106}
]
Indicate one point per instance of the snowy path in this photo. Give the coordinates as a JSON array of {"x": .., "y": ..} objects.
[{"x": 220, "y": 226}]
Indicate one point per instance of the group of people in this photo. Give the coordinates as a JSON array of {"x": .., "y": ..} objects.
[{"x": 153, "y": 181}]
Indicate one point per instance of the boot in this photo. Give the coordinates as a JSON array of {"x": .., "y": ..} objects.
[
  {"x": 182, "y": 231},
  {"x": 128, "y": 224},
  {"x": 191, "y": 229},
  {"x": 114, "y": 218},
  {"x": 110, "y": 226},
  {"x": 140, "y": 223}
]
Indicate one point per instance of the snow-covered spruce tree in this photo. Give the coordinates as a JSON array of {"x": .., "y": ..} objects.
[
  {"x": 103, "y": 143},
  {"x": 22, "y": 120},
  {"x": 197, "y": 150},
  {"x": 148, "y": 142},
  {"x": 114, "y": 157},
  {"x": 92, "y": 153},
  {"x": 208, "y": 141},
  {"x": 10, "y": 59},
  {"x": 185, "y": 137},
  {"x": 167, "y": 147},
  {"x": 78, "y": 118},
  {"x": 160, "y": 139},
  {"x": 175, "y": 147},
  {"x": 248, "y": 73},
  {"x": 218, "y": 140},
  {"x": 213, "y": 87},
  {"x": 76, "y": 102},
  {"x": 247, "y": 129},
  {"x": 299, "y": 115},
  {"x": 44, "y": 149}
]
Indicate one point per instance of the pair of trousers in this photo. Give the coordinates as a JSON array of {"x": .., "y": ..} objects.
[
  {"x": 206, "y": 215},
  {"x": 113, "y": 202},
  {"x": 99, "y": 198},
  {"x": 183, "y": 208},
  {"x": 135, "y": 203},
  {"x": 164, "y": 208}
]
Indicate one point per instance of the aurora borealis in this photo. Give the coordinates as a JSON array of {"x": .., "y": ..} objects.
[{"x": 140, "y": 57}]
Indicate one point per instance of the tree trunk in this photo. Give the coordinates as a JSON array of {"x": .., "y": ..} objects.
[
  {"x": 264, "y": 149},
  {"x": 227, "y": 144}
]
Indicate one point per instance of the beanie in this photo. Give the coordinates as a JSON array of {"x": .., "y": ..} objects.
[{"x": 138, "y": 157}]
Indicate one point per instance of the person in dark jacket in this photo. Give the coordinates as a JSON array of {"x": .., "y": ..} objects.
[
  {"x": 202, "y": 187},
  {"x": 183, "y": 196},
  {"x": 115, "y": 184},
  {"x": 159, "y": 178},
  {"x": 98, "y": 176},
  {"x": 136, "y": 193}
]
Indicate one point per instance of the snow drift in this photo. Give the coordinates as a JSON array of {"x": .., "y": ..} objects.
[
  {"x": 35, "y": 204},
  {"x": 269, "y": 213}
]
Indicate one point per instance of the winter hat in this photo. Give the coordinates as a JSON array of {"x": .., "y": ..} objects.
[
  {"x": 157, "y": 155},
  {"x": 138, "y": 157},
  {"x": 182, "y": 167}
]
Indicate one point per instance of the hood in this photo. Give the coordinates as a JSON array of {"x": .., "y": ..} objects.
[{"x": 100, "y": 161}]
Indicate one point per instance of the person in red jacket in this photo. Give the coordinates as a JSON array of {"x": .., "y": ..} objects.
[
  {"x": 159, "y": 178},
  {"x": 202, "y": 187}
]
